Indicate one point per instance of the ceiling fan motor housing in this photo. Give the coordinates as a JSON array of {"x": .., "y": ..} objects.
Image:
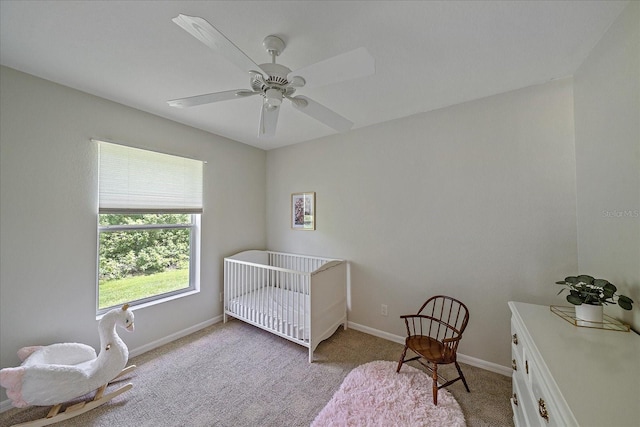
[
  {"x": 276, "y": 80},
  {"x": 276, "y": 74}
]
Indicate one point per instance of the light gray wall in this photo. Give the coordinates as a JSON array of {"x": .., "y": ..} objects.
[
  {"x": 607, "y": 122},
  {"x": 476, "y": 201},
  {"x": 48, "y": 212}
]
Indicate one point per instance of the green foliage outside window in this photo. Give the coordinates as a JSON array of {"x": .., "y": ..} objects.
[{"x": 143, "y": 251}]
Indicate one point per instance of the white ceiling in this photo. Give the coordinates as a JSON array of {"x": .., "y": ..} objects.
[{"x": 428, "y": 54}]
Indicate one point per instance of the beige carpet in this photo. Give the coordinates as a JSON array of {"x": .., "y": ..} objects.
[{"x": 234, "y": 374}]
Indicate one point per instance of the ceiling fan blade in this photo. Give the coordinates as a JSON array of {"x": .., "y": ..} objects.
[
  {"x": 214, "y": 39},
  {"x": 346, "y": 66},
  {"x": 268, "y": 120},
  {"x": 321, "y": 113},
  {"x": 209, "y": 98}
]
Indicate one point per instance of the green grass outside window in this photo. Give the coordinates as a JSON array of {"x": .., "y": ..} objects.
[{"x": 120, "y": 291}]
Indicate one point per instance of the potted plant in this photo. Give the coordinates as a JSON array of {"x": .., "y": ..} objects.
[{"x": 589, "y": 295}]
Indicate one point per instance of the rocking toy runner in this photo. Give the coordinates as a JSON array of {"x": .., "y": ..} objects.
[{"x": 54, "y": 374}]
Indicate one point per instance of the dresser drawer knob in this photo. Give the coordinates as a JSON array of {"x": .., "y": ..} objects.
[
  {"x": 513, "y": 365},
  {"x": 515, "y": 399},
  {"x": 515, "y": 339},
  {"x": 542, "y": 409}
]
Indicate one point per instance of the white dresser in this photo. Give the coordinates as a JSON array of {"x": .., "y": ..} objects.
[{"x": 564, "y": 375}]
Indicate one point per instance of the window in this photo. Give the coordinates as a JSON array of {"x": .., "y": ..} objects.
[{"x": 148, "y": 225}]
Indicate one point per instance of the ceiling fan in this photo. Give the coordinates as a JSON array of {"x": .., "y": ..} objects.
[{"x": 275, "y": 82}]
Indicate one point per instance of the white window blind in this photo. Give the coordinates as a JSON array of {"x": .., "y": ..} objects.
[{"x": 141, "y": 181}]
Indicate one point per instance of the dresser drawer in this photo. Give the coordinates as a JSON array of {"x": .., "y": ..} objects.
[
  {"x": 547, "y": 411},
  {"x": 518, "y": 418},
  {"x": 516, "y": 340},
  {"x": 521, "y": 402}
]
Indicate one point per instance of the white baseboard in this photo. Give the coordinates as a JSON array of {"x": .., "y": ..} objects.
[
  {"x": 166, "y": 340},
  {"x": 479, "y": 363}
]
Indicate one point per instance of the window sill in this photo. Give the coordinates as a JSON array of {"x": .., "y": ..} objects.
[{"x": 155, "y": 302}]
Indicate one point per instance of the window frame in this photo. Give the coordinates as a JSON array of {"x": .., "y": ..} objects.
[{"x": 194, "y": 260}]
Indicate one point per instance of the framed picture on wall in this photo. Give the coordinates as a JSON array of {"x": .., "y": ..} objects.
[{"x": 303, "y": 211}]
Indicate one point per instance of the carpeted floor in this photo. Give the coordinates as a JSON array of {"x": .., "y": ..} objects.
[{"x": 234, "y": 374}]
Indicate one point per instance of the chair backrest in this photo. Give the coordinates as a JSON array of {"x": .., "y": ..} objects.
[{"x": 448, "y": 317}]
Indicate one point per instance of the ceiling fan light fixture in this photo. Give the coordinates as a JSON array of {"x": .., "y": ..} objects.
[{"x": 273, "y": 97}]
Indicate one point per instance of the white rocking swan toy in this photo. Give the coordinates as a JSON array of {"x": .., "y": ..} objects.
[{"x": 57, "y": 373}]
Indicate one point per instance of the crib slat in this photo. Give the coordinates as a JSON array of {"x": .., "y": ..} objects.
[
  {"x": 245, "y": 282},
  {"x": 261, "y": 297},
  {"x": 252, "y": 292},
  {"x": 242, "y": 285},
  {"x": 247, "y": 294},
  {"x": 283, "y": 302},
  {"x": 297, "y": 307},
  {"x": 307, "y": 314}
]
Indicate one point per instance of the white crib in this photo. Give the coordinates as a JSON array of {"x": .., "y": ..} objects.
[{"x": 300, "y": 298}]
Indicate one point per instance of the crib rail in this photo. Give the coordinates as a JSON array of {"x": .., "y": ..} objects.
[
  {"x": 299, "y": 263},
  {"x": 252, "y": 270}
]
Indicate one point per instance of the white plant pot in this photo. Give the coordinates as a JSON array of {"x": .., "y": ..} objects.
[{"x": 589, "y": 315}]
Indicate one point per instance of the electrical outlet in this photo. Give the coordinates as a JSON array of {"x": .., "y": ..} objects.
[{"x": 383, "y": 310}]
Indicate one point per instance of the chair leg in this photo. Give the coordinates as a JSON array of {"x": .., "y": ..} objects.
[
  {"x": 401, "y": 361},
  {"x": 435, "y": 384},
  {"x": 462, "y": 377}
]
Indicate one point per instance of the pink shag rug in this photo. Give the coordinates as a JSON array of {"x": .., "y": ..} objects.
[{"x": 373, "y": 394}]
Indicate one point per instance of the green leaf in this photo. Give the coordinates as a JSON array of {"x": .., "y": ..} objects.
[
  {"x": 626, "y": 298},
  {"x": 561, "y": 290},
  {"x": 571, "y": 279},
  {"x": 562, "y": 282},
  {"x": 586, "y": 279},
  {"x": 624, "y": 304},
  {"x": 574, "y": 299},
  {"x": 609, "y": 287}
]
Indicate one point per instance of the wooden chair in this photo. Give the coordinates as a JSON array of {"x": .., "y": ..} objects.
[{"x": 434, "y": 334}]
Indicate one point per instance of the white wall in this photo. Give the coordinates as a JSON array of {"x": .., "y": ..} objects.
[
  {"x": 476, "y": 201},
  {"x": 48, "y": 212},
  {"x": 607, "y": 121}
]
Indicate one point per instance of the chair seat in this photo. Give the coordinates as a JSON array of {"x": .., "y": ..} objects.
[{"x": 429, "y": 348}]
